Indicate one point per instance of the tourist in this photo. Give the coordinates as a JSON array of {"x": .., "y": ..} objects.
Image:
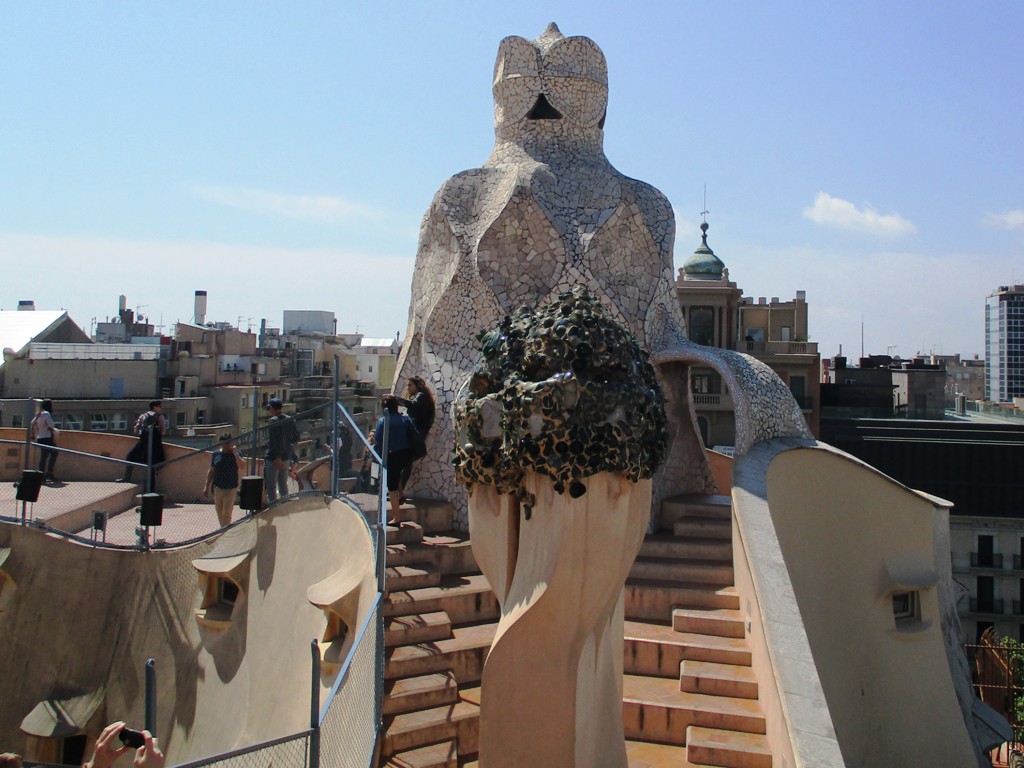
[
  {"x": 281, "y": 438},
  {"x": 109, "y": 748},
  {"x": 399, "y": 457},
  {"x": 45, "y": 434},
  {"x": 419, "y": 404},
  {"x": 226, "y": 468},
  {"x": 149, "y": 450}
]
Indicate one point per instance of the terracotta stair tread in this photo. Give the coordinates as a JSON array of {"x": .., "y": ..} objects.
[
  {"x": 425, "y": 658},
  {"x": 689, "y": 569},
  {"x": 650, "y": 754},
  {"x": 426, "y": 726},
  {"x": 701, "y": 709},
  {"x": 472, "y": 588},
  {"x": 712, "y": 548},
  {"x": 725, "y": 622},
  {"x": 408, "y": 694},
  {"x": 730, "y": 749},
  {"x": 658, "y": 650},
  {"x": 416, "y": 628},
  {"x": 441, "y": 755},
  {"x": 408, "y": 532},
  {"x": 411, "y": 576},
  {"x": 654, "y": 599},
  {"x": 717, "y": 679}
]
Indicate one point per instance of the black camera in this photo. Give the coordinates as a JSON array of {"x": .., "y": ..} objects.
[{"x": 130, "y": 738}]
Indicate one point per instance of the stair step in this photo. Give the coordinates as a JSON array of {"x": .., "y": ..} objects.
[
  {"x": 647, "y": 754},
  {"x": 406, "y": 533},
  {"x": 463, "y": 653},
  {"x": 654, "y": 709},
  {"x": 427, "y": 726},
  {"x": 441, "y": 755},
  {"x": 417, "y": 628},
  {"x": 676, "y": 508},
  {"x": 466, "y": 599},
  {"x": 703, "y": 527},
  {"x": 717, "y": 679},
  {"x": 690, "y": 547},
  {"x": 723, "y": 622},
  {"x": 728, "y": 749},
  {"x": 711, "y": 572},
  {"x": 433, "y": 515},
  {"x": 448, "y": 552},
  {"x": 721, "y": 650},
  {"x": 421, "y": 692},
  {"x": 405, "y": 577},
  {"x": 654, "y": 599},
  {"x": 657, "y": 650}
]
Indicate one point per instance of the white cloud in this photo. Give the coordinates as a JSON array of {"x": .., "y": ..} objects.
[
  {"x": 323, "y": 208},
  {"x": 835, "y": 211},
  {"x": 1005, "y": 220}
]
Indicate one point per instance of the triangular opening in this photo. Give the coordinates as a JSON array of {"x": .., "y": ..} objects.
[{"x": 542, "y": 110}]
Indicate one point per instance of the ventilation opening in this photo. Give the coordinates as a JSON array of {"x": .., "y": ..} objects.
[
  {"x": 600, "y": 123},
  {"x": 542, "y": 110}
]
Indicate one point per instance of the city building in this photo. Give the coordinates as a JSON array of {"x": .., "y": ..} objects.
[
  {"x": 1004, "y": 344},
  {"x": 884, "y": 387},
  {"x": 775, "y": 332}
]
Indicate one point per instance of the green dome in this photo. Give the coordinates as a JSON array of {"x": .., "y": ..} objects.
[{"x": 703, "y": 265}]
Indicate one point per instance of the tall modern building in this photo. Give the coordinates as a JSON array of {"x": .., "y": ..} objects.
[{"x": 1004, "y": 344}]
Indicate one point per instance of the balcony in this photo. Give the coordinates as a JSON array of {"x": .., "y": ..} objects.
[
  {"x": 986, "y": 605},
  {"x": 777, "y": 347},
  {"x": 986, "y": 560},
  {"x": 705, "y": 401}
]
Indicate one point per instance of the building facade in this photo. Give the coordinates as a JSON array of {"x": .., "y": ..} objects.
[
  {"x": 718, "y": 315},
  {"x": 1004, "y": 344}
]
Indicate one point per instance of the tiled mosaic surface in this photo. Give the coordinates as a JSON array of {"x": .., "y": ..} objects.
[{"x": 545, "y": 213}]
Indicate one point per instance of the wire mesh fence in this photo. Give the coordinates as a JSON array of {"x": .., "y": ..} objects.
[
  {"x": 350, "y": 720},
  {"x": 287, "y": 752}
]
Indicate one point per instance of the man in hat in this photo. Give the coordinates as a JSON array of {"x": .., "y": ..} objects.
[
  {"x": 226, "y": 468},
  {"x": 281, "y": 436}
]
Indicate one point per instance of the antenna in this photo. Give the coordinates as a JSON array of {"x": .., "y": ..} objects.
[{"x": 705, "y": 212}]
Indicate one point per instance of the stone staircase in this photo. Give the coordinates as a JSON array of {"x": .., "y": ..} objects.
[
  {"x": 440, "y": 618},
  {"x": 689, "y": 695},
  {"x": 688, "y": 685}
]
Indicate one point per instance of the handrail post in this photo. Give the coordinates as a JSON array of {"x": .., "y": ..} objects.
[
  {"x": 150, "y": 718},
  {"x": 314, "y": 707},
  {"x": 335, "y": 443}
]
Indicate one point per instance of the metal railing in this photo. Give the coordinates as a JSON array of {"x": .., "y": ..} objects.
[
  {"x": 986, "y": 560},
  {"x": 344, "y": 731},
  {"x": 986, "y": 605}
]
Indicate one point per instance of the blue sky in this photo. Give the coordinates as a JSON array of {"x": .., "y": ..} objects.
[{"x": 282, "y": 156}]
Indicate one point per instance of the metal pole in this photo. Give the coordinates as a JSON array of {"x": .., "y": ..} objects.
[
  {"x": 151, "y": 696},
  {"x": 255, "y": 431},
  {"x": 149, "y": 457},
  {"x": 382, "y": 507},
  {"x": 314, "y": 707},
  {"x": 336, "y": 444},
  {"x": 28, "y": 431}
]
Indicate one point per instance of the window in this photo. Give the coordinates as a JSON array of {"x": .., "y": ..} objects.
[
  {"x": 786, "y": 332},
  {"x": 179, "y": 418},
  {"x": 702, "y": 325},
  {"x": 245, "y": 401},
  {"x": 98, "y": 422},
  {"x": 119, "y": 422},
  {"x": 18, "y": 420},
  {"x": 72, "y": 421},
  {"x": 369, "y": 369},
  {"x": 200, "y": 416},
  {"x": 906, "y": 606}
]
